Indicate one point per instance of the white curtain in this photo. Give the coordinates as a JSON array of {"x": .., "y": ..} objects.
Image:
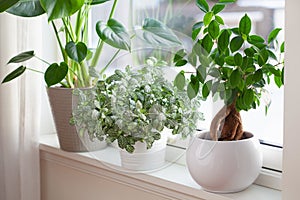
[{"x": 20, "y": 110}]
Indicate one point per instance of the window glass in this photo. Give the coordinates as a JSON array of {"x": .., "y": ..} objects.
[{"x": 180, "y": 15}]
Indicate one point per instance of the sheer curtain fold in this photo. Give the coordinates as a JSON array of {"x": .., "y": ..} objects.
[{"x": 20, "y": 111}]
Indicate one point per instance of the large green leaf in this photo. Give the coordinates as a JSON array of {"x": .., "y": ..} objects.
[
  {"x": 203, "y": 5},
  {"x": 236, "y": 43},
  {"x": 27, "y": 8},
  {"x": 5, "y": 4},
  {"x": 14, "y": 74},
  {"x": 245, "y": 25},
  {"x": 94, "y": 2},
  {"x": 155, "y": 32},
  {"x": 213, "y": 29},
  {"x": 273, "y": 35},
  {"x": 77, "y": 51},
  {"x": 22, "y": 57},
  {"x": 223, "y": 40},
  {"x": 56, "y": 9},
  {"x": 235, "y": 78},
  {"x": 114, "y": 34},
  {"x": 179, "y": 81},
  {"x": 55, "y": 73}
]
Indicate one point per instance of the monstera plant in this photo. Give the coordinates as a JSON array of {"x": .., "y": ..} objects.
[{"x": 69, "y": 19}]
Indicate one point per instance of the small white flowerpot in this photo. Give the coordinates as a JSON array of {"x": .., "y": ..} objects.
[
  {"x": 224, "y": 166},
  {"x": 143, "y": 159}
]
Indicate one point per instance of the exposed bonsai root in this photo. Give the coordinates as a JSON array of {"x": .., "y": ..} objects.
[{"x": 227, "y": 124}]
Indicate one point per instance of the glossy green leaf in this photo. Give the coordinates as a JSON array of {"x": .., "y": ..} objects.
[
  {"x": 55, "y": 73},
  {"x": 235, "y": 78},
  {"x": 27, "y": 8},
  {"x": 236, "y": 43},
  {"x": 207, "y": 18},
  {"x": 258, "y": 76},
  {"x": 56, "y": 9},
  {"x": 114, "y": 34},
  {"x": 217, "y": 8},
  {"x": 206, "y": 89},
  {"x": 192, "y": 59},
  {"x": 282, "y": 47},
  {"x": 248, "y": 98},
  {"x": 238, "y": 59},
  {"x": 14, "y": 74},
  {"x": 229, "y": 60},
  {"x": 235, "y": 30},
  {"x": 255, "y": 39},
  {"x": 179, "y": 81},
  {"x": 196, "y": 29},
  {"x": 179, "y": 55},
  {"x": 201, "y": 73},
  {"x": 181, "y": 63},
  {"x": 157, "y": 33},
  {"x": 263, "y": 57},
  {"x": 207, "y": 43},
  {"x": 219, "y": 20},
  {"x": 192, "y": 89},
  {"x": 77, "y": 51},
  {"x": 272, "y": 55},
  {"x": 272, "y": 36},
  {"x": 278, "y": 81},
  {"x": 213, "y": 29},
  {"x": 249, "y": 52},
  {"x": 245, "y": 25},
  {"x": 5, "y": 4},
  {"x": 227, "y": 1},
  {"x": 223, "y": 40},
  {"x": 22, "y": 57},
  {"x": 203, "y": 5},
  {"x": 94, "y": 2}
]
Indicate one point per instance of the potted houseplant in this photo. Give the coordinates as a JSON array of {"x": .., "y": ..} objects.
[
  {"x": 234, "y": 65},
  {"x": 136, "y": 108},
  {"x": 69, "y": 20}
]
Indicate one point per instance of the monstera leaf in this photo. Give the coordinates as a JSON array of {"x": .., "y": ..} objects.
[
  {"x": 56, "y": 9},
  {"x": 155, "y": 32},
  {"x": 27, "y": 8},
  {"x": 114, "y": 34}
]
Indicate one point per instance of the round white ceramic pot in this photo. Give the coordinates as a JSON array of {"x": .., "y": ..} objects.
[
  {"x": 143, "y": 159},
  {"x": 224, "y": 166}
]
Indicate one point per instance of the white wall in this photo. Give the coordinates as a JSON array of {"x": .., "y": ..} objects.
[{"x": 291, "y": 158}]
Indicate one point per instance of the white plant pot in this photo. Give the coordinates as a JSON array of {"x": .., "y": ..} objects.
[
  {"x": 224, "y": 166},
  {"x": 143, "y": 159}
]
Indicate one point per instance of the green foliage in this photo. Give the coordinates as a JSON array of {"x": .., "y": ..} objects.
[
  {"x": 232, "y": 63},
  {"x": 136, "y": 105},
  {"x": 72, "y": 37},
  {"x": 55, "y": 73},
  {"x": 156, "y": 33},
  {"x": 113, "y": 33}
]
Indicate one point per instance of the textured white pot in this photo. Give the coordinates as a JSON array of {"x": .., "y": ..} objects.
[
  {"x": 143, "y": 159},
  {"x": 224, "y": 166},
  {"x": 61, "y": 105}
]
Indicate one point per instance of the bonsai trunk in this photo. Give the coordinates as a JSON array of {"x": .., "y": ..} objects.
[{"x": 227, "y": 124}]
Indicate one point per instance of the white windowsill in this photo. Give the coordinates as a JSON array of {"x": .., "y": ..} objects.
[{"x": 172, "y": 181}]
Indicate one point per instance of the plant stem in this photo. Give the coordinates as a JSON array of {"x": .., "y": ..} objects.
[
  {"x": 78, "y": 24},
  {"x": 34, "y": 70},
  {"x": 101, "y": 43},
  {"x": 64, "y": 55},
  {"x": 110, "y": 61},
  {"x": 68, "y": 29},
  {"x": 85, "y": 75},
  {"x": 44, "y": 61}
]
